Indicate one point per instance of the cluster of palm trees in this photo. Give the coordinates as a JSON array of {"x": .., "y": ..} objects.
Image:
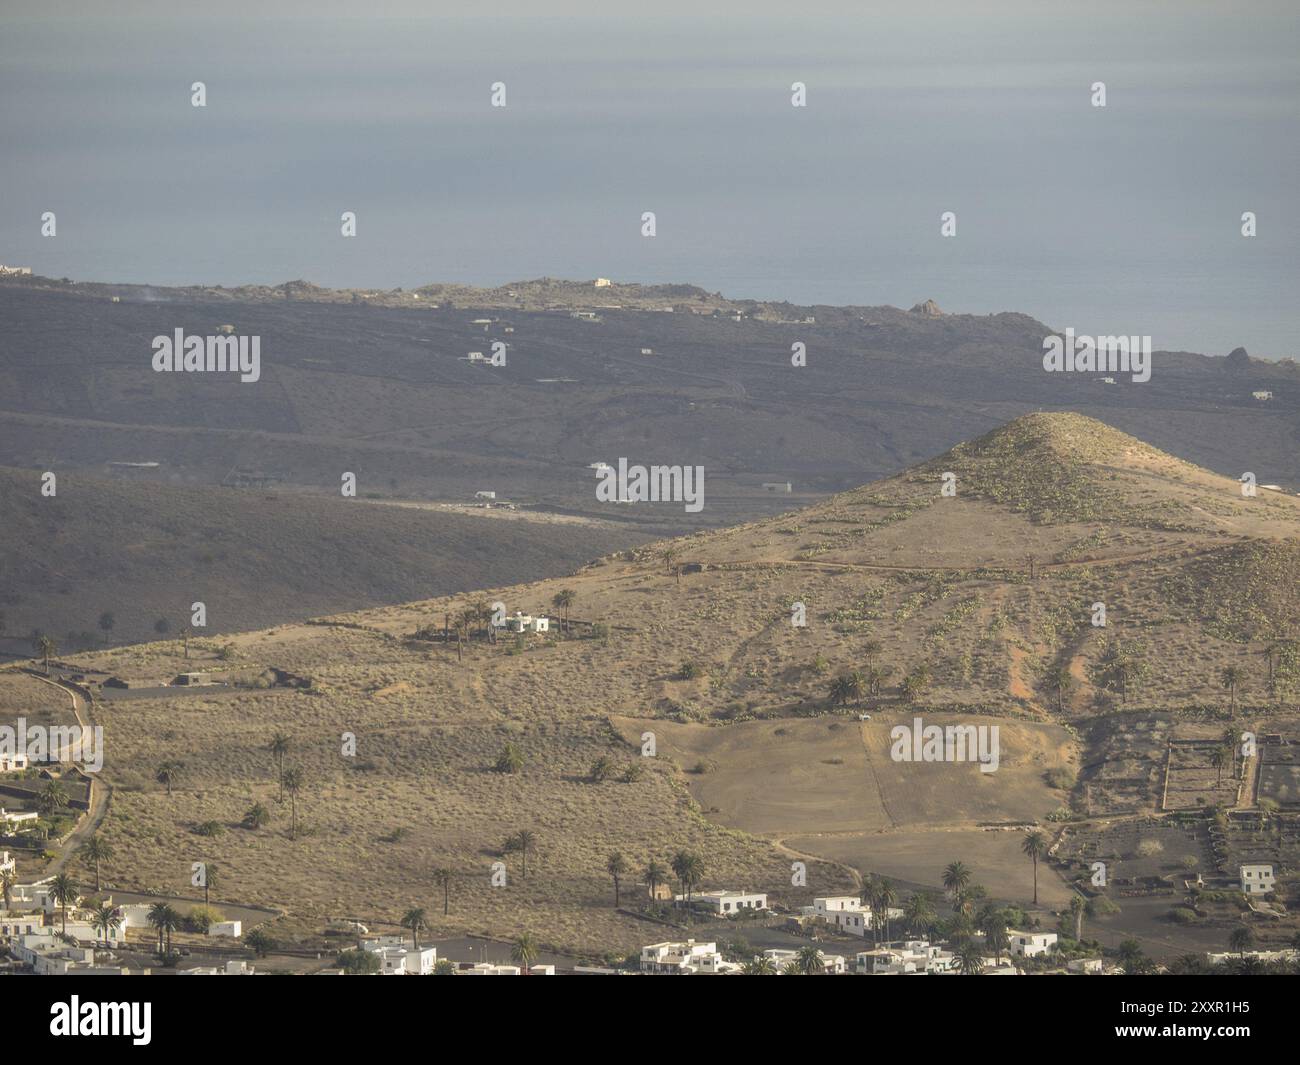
[
  {"x": 809, "y": 961},
  {"x": 291, "y": 779},
  {"x": 523, "y": 843},
  {"x": 851, "y": 688},
  {"x": 1224, "y": 754},
  {"x": 164, "y": 920},
  {"x": 416, "y": 918}
]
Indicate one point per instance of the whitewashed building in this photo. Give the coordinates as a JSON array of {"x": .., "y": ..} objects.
[
  {"x": 727, "y": 903},
  {"x": 1257, "y": 878},
  {"x": 683, "y": 959},
  {"x": 1031, "y": 944}
]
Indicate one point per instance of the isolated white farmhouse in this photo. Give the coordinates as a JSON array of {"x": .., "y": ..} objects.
[
  {"x": 1257, "y": 878},
  {"x": 726, "y": 903}
]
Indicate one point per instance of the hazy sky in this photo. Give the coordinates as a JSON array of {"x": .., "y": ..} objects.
[{"x": 1117, "y": 220}]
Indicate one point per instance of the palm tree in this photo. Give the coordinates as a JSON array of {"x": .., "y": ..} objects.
[
  {"x": 1230, "y": 677},
  {"x": 64, "y": 892},
  {"x": 1132, "y": 959},
  {"x": 1269, "y": 652},
  {"x": 911, "y": 688},
  {"x": 524, "y": 841},
  {"x": 293, "y": 781},
  {"x": 919, "y": 914},
  {"x": 8, "y": 878},
  {"x": 760, "y": 965},
  {"x": 94, "y": 851},
  {"x": 842, "y": 690},
  {"x": 443, "y": 877},
  {"x": 1079, "y": 908},
  {"x": 810, "y": 961},
  {"x": 414, "y": 920},
  {"x": 524, "y": 952},
  {"x": 655, "y": 874},
  {"x": 279, "y": 747},
  {"x": 1218, "y": 758},
  {"x": 211, "y": 879},
  {"x": 1034, "y": 846},
  {"x": 969, "y": 959},
  {"x": 1241, "y": 940},
  {"x": 871, "y": 648},
  {"x": 956, "y": 878},
  {"x": 259, "y": 943},
  {"x": 52, "y": 799},
  {"x": 510, "y": 760},
  {"x": 563, "y": 603},
  {"x": 483, "y": 615},
  {"x": 669, "y": 555},
  {"x": 875, "y": 676},
  {"x": 45, "y": 646},
  {"x": 995, "y": 936},
  {"x": 616, "y": 866},
  {"x": 689, "y": 870},
  {"x": 256, "y": 816},
  {"x": 106, "y": 920},
  {"x": 158, "y": 919},
  {"x": 167, "y": 774},
  {"x": 1060, "y": 681},
  {"x": 886, "y": 897}
]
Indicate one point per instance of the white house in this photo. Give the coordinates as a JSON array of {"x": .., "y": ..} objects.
[
  {"x": 13, "y": 763},
  {"x": 16, "y": 819},
  {"x": 398, "y": 959},
  {"x": 1262, "y": 396},
  {"x": 851, "y": 922},
  {"x": 647, "y": 351},
  {"x": 603, "y": 282},
  {"x": 26, "y": 897},
  {"x": 910, "y": 956},
  {"x": 521, "y": 622},
  {"x": 475, "y": 356},
  {"x": 1257, "y": 878},
  {"x": 12, "y": 925},
  {"x": 50, "y": 956},
  {"x": 1086, "y": 966},
  {"x": 1031, "y": 944},
  {"x": 133, "y": 914},
  {"x": 485, "y": 495},
  {"x": 233, "y": 929},
  {"x": 825, "y": 905},
  {"x": 777, "y": 486},
  {"x": 487, "y": 968},
  {"x": 727, "y": 903},
  {"x": 684, "y": 958}
]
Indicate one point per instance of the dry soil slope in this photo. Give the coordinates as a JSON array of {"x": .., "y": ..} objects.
[{"x": 756, "y": 706}]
